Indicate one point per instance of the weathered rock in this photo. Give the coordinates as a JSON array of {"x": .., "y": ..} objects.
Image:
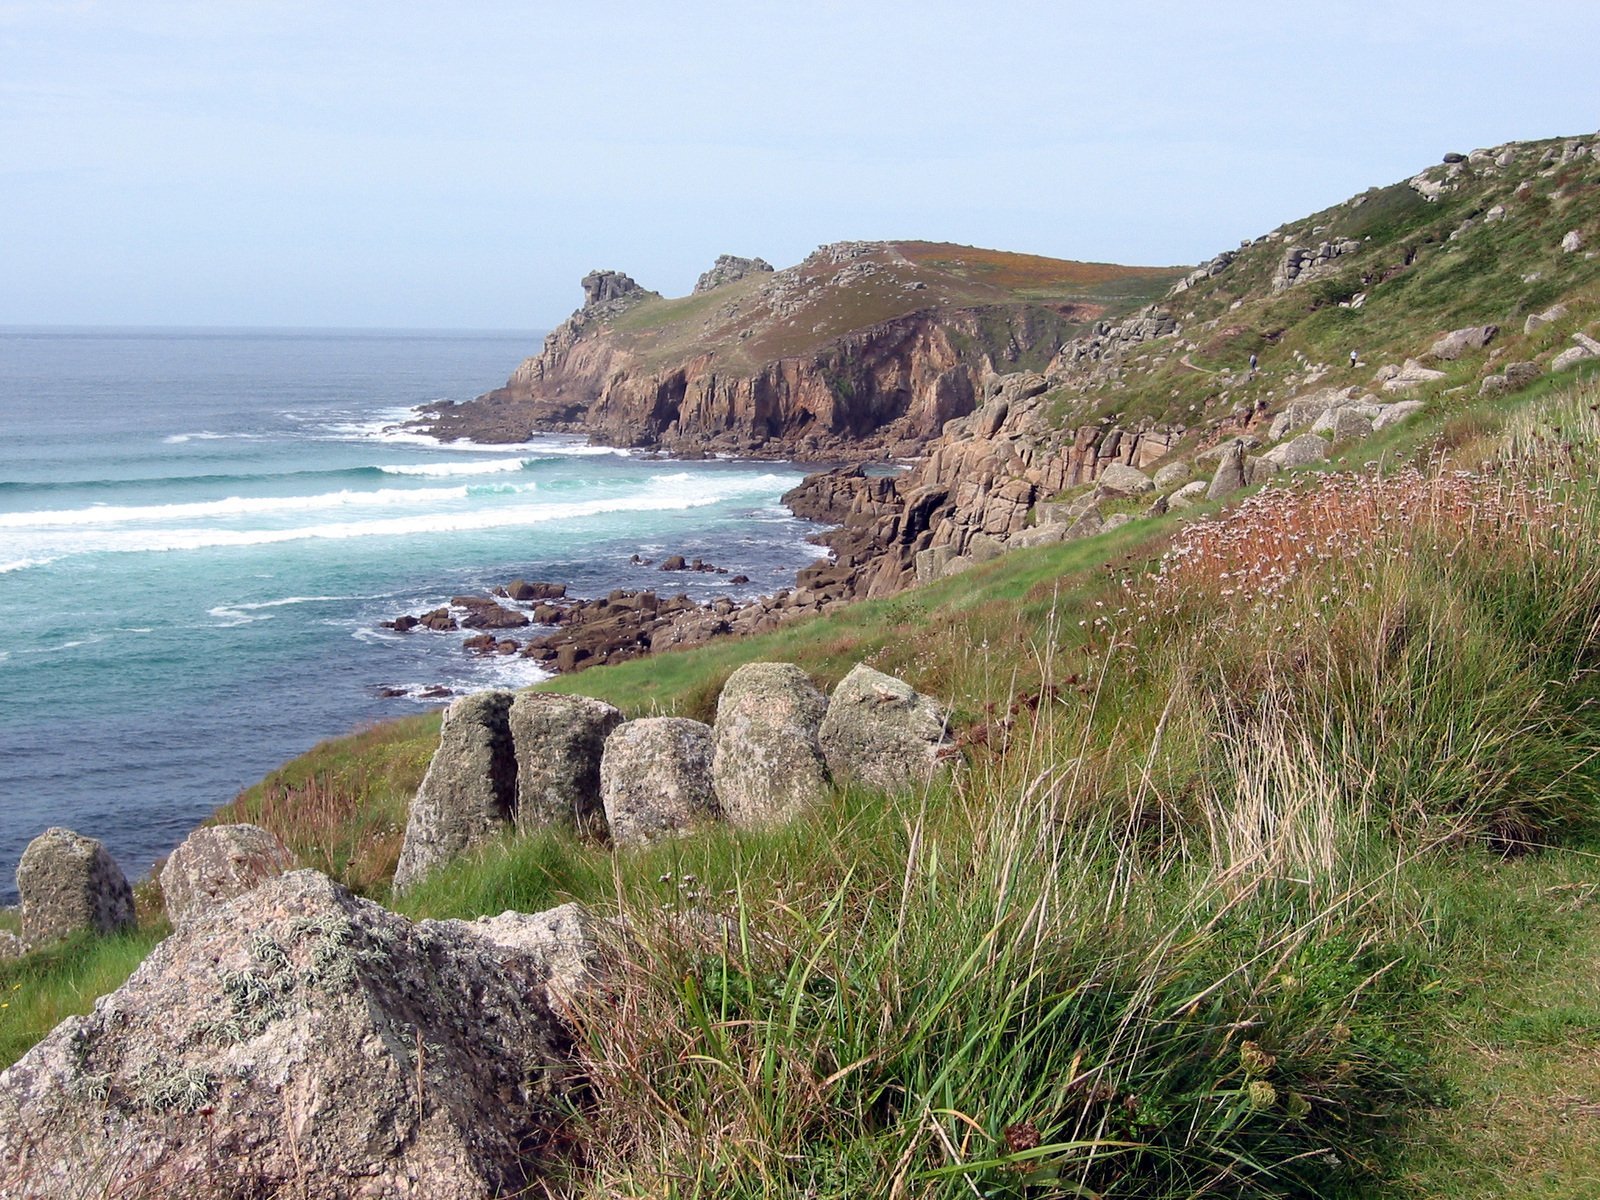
[
  {"x": 67, "y": 883},
  {"x": 1172, "y": 475},
  {"x": 1413, "y": 374},
  {"x": 11, "y": 946},
  {"x": 300, "y": 1041},
  {"x": 1189, "y": 494},
  {"x": 655, "y": 778},
  {"x": 1549, "y": 316},
  {"x": 1125, "y": 481},
  {"x": 1457, "y": 342},
  {"x": 1570, "y": 357},
  {"x": 1573, "y": 242},
  {"x": 469, "y": 791},
  {"x": 730, "y": 268},
  {"x": 558, "y": 741},
  {"x": 1297, "y": 452},
  {"x": 1229, "y": 477},
  {"x": 1393, "y": 414},
  {"x": 766, "y": 765},
  {"x": 882, "y": 732},
  {"x": 1342, "y": 424},
  {"x": 521, "y": 589},
  {"x": 1516, "y": 375},
  {"x": 216, "y": 863}
]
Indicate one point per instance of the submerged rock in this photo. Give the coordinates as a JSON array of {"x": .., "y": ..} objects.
[
  {"x": 301, "y": 1041},
  {"x": 69, "y": 882},
  {"x": 766, "y": 762}
]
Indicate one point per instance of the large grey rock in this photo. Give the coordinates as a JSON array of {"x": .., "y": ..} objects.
[
  {"x": 1172, "y": 475},
  {"x": 766, "y": 764},
  {"x": 1570, "y": 358},
  {"x": 67, "y": 883},
  {"x": 299, "y": 1041},
  {"x": 1573, "y": 242},
  {"x": 1343, "y": 424},
  {"x": 1297, "y": 452},
  {"x": 1230, "y": 475},
  {"x": 882, "y": 732},
  {"x": 216, "y": 863},
  {"x": 730, "y": 268},
  {"x": 1412, "y": 374},
  {"x": 11, "y": 946},
  {"x": 1189, "y": 494},
  {"x": 1307, "y": 408},
  {"x": 1393, "y": 414},
  {"x": 1549, "y": 316},
  {"x": 1458, "y": 341},
  {"x": 469, "y": 791},
  {"x": 1515, "y": 375},
  {"x": 655, "y": 778},
  {"x": 558, "y": 742},
  {"x": 1125, "y": 480}
]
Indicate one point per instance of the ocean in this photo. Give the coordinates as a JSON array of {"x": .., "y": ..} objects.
[{"x": 201, "y": 530}]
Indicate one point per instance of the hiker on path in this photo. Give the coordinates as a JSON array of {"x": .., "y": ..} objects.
[
  {"x": 1252, "y": 364},
  {"x": 1352, "y": 360}
]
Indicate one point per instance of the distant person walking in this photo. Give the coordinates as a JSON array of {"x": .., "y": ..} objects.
[
  {"x": 1252, "y": 364},
  {"x": 1352, "y": 360}
]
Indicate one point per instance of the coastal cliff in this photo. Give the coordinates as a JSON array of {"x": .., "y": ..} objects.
[{"x": 864, "y": 350}]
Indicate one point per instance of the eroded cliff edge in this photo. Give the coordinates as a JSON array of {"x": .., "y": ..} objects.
[{"x": 862, "y": 351}]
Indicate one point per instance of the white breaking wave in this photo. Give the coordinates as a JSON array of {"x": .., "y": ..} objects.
[
  {"x": 206, "y": 435},
  {"x": 240, "y": 506},
  {"x": 663, "y": 493},
  {"x": 495, "y": 466},
  {"x": 22, "y": 564}
]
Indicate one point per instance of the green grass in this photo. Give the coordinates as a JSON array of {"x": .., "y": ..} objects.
[
  {"x": 41, "y": 990},
  {"x": 1275, "y": 867}
]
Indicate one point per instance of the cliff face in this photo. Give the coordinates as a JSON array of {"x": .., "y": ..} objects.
[{"x": 865, "y": 350}]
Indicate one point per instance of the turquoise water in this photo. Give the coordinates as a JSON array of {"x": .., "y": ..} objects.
[{"x": 201, "y": 530}]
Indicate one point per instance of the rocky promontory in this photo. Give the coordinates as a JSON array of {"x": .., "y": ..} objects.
[{"x": 864, "y": 350}]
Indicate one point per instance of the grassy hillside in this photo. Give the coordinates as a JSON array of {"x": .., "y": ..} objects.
[
  {"x": 835, "y": 293},
  {"x": 1273, "y": 871}
]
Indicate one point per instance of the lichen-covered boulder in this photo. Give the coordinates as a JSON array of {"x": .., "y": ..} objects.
[
  {"x": 882, "y": 732},
  {"x": 766, "y": 763},
  {"x": 655, "y": 778},
  {"x": 299, "y": 1041},
  {"x": 69, "y": 882},
  {"x": 1230, "y": 473},
  {"x": 11, "y": 946},
  {"x": 469, "y": 791},
  {"x": 1125, "y": 480},
  {"x": 217, "y": 863},
  {"x": 558, "y": 742}
]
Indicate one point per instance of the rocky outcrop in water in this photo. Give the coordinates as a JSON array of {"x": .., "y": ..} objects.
[{"x": 853, "y": 354}]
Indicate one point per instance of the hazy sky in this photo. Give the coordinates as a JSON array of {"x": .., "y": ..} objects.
[{"x": 257, "y": 162}]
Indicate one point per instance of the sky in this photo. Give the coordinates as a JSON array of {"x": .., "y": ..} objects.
[{"x": 464, "y": 164}]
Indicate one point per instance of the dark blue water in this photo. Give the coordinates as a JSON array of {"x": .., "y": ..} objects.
[{"x": 200, "y": 531}]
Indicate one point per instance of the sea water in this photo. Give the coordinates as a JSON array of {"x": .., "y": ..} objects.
[{"x": 201, "y": 531}]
